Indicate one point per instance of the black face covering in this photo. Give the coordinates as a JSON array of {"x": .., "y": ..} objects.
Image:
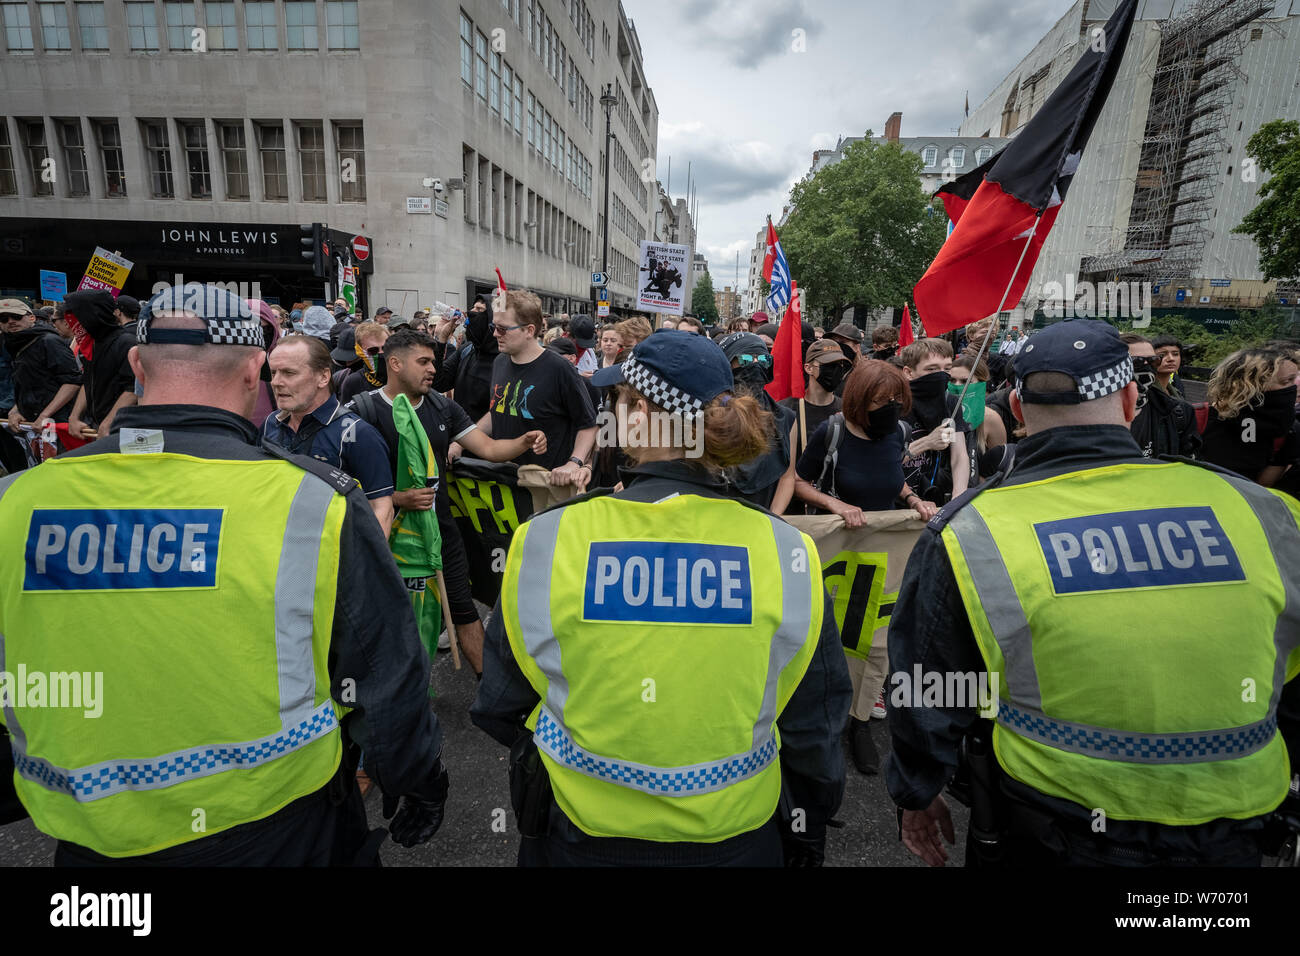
[
  {"x": 1277, "y": 414},
  {"x": 831, "y": 374},
  {"x": 849, "y": 354},
  {"x": 479, "y": 331},
  {"x": 751, "y": 377},
  {"x": 928, "y": 394},
  {"x": 1144, "y": 374},
  {"x": 883, "y": 420}
]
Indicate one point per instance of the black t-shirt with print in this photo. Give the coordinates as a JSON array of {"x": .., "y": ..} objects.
[
  {"x": 547, "y": 394},
  {"x": 444, "y": 422}
]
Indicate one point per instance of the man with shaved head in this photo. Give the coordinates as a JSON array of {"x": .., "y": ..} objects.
[{"x": 251, "y": 631}]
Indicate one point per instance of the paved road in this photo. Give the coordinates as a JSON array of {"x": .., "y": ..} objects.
[{"x": 477, "y": 765}]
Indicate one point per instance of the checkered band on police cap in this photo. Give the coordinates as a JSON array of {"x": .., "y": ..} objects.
[
  {"x": 229, "y": 319},
  {"x": 656, "y": 390},
  {"x": 1106, "y": 381}
]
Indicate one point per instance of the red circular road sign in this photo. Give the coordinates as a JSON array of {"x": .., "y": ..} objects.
[{"x": 361, "y": 248}]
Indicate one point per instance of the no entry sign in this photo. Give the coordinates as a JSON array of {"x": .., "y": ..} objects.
[{"x": 360, "y": 248}]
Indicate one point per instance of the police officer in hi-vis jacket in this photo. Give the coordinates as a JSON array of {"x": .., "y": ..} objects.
[
  {"x": 1139, "y": 619},
  {"x": 664, "y": 661}
]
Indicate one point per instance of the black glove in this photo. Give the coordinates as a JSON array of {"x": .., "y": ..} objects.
[{"x": 420, "y": 816}]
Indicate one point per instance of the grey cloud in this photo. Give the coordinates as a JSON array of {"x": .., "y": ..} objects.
[{"x": 748, "y": 32}]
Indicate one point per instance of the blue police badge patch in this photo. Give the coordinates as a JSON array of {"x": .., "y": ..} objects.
[
  {"x": 122, "y": 549},
  {"x": 668, "y": 582},
  {"x": 1157, "y": 547}
]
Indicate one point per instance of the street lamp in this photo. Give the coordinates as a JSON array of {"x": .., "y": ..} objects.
[{"x": 609, "y": 101}]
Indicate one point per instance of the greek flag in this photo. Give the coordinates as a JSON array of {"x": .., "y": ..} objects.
[{"x": 777, "y": 272}]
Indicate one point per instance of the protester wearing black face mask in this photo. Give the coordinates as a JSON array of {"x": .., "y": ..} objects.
[
  {"x": 468, "y": 369},
  {"x": 853, "y": 464},
  {"x": 825, "y": 369},
  {"x": 769, "y": 479},
  {"x": 1252, "y": 422},
  {"x": 936, "y": 461},
  {"x": 1165, "y": 424}
]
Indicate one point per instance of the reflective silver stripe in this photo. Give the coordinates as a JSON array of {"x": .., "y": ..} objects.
[
  {"x": 533, "y": 617},
  {"x": 105, "y": 779},
  {"x": 295, "y": 599},
  {"x": 554, "y": 739},
  {"x": 17, "y": 739},
  {"x": 1001, "y": 605},
  {"x": 796, "y": 619},
  {"x": 1284, "y": 543},
  {"x": 1126, "y": 747},
  {"x": 533, "y": 603}
]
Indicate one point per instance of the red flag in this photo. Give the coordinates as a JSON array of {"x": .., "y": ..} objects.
[
  {"x": 499, "y": 298},
  {"x": 787, "y": 353},
  {"x": 1003, "y": 211},
  {"x": 906, "y": 334}
]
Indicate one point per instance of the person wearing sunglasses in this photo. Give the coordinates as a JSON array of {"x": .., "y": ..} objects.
[
  {"x": 1165, "y": 424},
  {"x": 533, "y": 388},
  {"x": 369, "y": 372}
]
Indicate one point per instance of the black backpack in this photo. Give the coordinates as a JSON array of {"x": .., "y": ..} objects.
[{"x": 835, "y": 430}]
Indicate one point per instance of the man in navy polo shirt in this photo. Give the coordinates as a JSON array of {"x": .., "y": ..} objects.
[{"x": 312, "y": 422}]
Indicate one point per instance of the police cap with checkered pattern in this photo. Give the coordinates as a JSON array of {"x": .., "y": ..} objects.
[
  {"x": 678, "y": 371},
  {"x": 228, "y": 319},
  {"x": 1089, "y": 351}
]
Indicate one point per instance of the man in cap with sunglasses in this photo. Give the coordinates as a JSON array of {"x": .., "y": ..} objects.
[
  {"x": 1130, "y": 624},
  {"x": 209, "y": 582}
]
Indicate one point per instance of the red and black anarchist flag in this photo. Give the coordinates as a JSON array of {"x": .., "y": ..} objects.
[{"x": 1013, "y": 199}]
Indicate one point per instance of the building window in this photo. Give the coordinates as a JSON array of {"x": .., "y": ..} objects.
[
  {"x": 18, "y": 27},
  {"x": 507, "y": 93},
  {"x": 8, "y": 179},
  {"x": 350, "y": 142},
  {"x": 300, "y": 24},
  {"x": 311, "y": 160},
  {"x": 958, "y": 157},
  {"x": 234, "y": 158},
  {"x": 259, "y": 19},
  {"x": 930, "y": 155},
  {"x": 110, "y": 154},
  {"x": 32, "y": 133},
  {"x": 142, "y": 27},
  {"x": 74, "y": 157},
  {"x": 220, "y": 17},
  {"x": 532, "y": 126},
  {"x": 158, "y": 152},
  {"x": 94, "y": 31},
  {"x": 342, "y": 27},
  {"x": 466, "y": 51},
  {"x": 275, "y": 169},
  {"x": 494, "y": 83},
  {"x": 194, "y": 140},
  {"x": 982, "y": 155},
  {"x": 181, "y": 22},
  {"x": 55, "y": 34},
  {"x": 519, "y": 104},
  {"x": 480, "y": 65},
  {"x": 467, "y": 174}
]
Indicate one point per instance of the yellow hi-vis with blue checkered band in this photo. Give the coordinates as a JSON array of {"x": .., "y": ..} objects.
[
  {"x": 203, "y": 593},
  {"x": 1141, "y": 644},
  {"x": 664, "y": 641}
]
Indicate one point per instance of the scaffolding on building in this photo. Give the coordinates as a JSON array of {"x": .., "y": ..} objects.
[{"x": 1196, "y": 79}]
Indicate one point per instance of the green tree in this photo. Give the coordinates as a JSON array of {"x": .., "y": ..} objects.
[
  {"x": 862, "y": 231},
  {"x": 702, "y": 304},
  {"x": 1275, "y": 223}
]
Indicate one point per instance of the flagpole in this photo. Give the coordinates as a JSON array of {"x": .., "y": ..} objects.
[{"x": 997, "y": 315}]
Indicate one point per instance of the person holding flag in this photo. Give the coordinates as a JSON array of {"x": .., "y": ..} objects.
[{"x": 415, "y": 540}]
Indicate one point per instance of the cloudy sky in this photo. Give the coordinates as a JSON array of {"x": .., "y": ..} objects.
[{"x": 746, "y": 109}]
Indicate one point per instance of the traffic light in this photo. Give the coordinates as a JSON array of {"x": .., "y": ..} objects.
[{"x": 316, "y": 248}]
